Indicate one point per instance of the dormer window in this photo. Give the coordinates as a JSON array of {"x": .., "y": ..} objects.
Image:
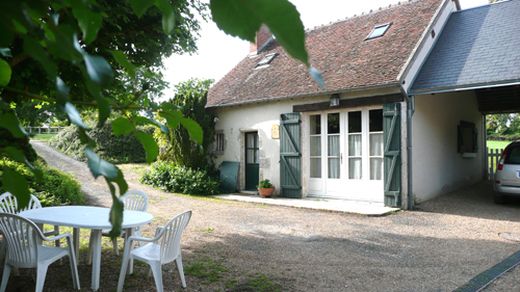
[
  {"x": 266, "y": 60},
  {"x": 378, "y": 31}
]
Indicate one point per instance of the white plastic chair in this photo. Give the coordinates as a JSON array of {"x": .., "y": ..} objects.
[
  {"x": 164, "y": 248},
  {"x": 9, "y": 204},
  {"x": 134, "y": 200},
  {"x": 24, "y": 250}
]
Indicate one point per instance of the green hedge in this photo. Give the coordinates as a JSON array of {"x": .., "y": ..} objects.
[
  {"x": 54, "y": 189},
  {"x": 124, "y": 149},
  {"x": 180, "y": 179}
]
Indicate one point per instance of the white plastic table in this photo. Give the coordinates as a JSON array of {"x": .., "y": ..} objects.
[{"x": 94, "y": 218}]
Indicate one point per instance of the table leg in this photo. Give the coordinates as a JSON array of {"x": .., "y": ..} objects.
[
  {"x": 128, "y": 233},
  {"x": 96, "y": 258},
  {"x": 75, "y": 241}
]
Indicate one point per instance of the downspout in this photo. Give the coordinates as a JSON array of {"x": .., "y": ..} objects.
[{"x": 410, "y": 109}]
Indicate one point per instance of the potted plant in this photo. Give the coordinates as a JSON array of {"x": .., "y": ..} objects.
[{"x": 265, "y": 188}]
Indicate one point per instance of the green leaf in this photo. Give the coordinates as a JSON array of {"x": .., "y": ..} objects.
[
  {"x": 5, "y": 73},
  {"x": 316, "y": 75},
  {"x": 244, "y": 18},
  {"x": 172, "y": 117},
  {"x": 9, "y": 121},
  {"x": 88, "y": 20},
  {"x": 17, "y": 185},
  {"x": 6, "y": 52},
  {"x": 139, "y": 120},
  {"x": 100, "y": 167},
  {"x": 116, "y": 213},
  {"x": 150, "y": 146},
  {"x": 74, "y": 115},
  {"x": 37, "y": 52},
  {"x": 122, "y": 60},
  {"x": 98, "y": 69},
  {"x": 103, "y": 110},
  {"x": 122, "y": 126},
  {"x": 168, "y": 15},
  {"x": 140, "y": 6},
  {"x": 63, "y": 90},
  {"x": 14, "y": 154},
  {"x": 193, "y": 128}
]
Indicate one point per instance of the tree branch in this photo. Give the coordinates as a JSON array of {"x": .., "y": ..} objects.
[{"x": 31, "y": 95}]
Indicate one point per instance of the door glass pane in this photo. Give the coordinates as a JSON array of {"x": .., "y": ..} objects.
[
  {"x": 315, "y": 146},
  {"x": 354, "y": 168},
  {"x": 354, "y": 145},
  {"x": 315, "y": 167},
  {"x": 376, "y": 120},
  {"x": 376, "y": 168},
  {"x": 250, "y": 140},
  {"x": 376, "y": 144},
  {"x": 333, "y": 149},
  {"x": 333, "y": 123},
  {"x": 333, "y": 167},
  {"x": 250, "y": 156},
  {"x": 315, "y": 124},
  {"x": 354, "y": 122}
]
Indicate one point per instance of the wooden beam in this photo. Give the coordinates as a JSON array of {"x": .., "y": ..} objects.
[
  {"x": 499, "y": 100},
  {"x": 347, "y": 103}
]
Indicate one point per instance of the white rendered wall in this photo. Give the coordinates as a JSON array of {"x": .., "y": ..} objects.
[
  {"x": 235, "y": 121},
  {"x": 437, "y": 167}
]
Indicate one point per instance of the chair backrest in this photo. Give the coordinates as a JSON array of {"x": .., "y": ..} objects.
[
  {"x": 171, "y": 239},
  {"x": 21, "y": 236},
  {"x": 135, "y": 200},
  {"x": 9, "y": 203}
]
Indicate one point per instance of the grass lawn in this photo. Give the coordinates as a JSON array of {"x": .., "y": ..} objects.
[
  {"x": 493, "y": 144},
  {"x": 43, "y": 137}
]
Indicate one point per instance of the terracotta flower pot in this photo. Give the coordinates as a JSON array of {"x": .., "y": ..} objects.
[{"x": 265, "y": 192}]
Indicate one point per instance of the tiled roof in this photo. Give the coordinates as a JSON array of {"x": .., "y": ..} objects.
[
  {"x": 478, "y": 47},
  {"x": 340, "y": 51}
]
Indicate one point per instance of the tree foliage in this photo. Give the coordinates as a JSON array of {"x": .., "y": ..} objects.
[
  {"x": 177, "y": 147},
  {"x": 74, "y": 53}
]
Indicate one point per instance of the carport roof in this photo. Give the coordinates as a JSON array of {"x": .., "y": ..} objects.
[{"x": 477, "y": 48}]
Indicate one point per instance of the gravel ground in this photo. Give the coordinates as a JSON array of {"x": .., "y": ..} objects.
[{"x": 248, "y": 247}]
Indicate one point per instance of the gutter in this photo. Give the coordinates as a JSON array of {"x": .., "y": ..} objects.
[{"x": 395, "y": 85}]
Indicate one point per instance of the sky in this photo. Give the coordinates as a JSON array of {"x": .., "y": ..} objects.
[{"x": 218, "y": 53}]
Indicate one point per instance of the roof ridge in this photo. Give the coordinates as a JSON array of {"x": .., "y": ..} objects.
[{"x": 363, "y": 13}]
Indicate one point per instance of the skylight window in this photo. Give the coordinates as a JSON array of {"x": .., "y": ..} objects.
[
  {"x": 378, "y": 31},
  {"x": 266, "y": 60}
]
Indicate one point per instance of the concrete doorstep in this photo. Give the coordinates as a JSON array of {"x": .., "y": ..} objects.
[{"x": 346, "y": 206}]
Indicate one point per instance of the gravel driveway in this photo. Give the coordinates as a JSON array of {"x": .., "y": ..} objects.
[{"x": 439, "y": 247}]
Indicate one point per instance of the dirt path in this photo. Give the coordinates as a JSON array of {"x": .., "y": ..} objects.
[{"x": 248, "y": 245}]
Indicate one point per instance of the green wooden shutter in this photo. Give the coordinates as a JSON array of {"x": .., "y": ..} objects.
[
  {"x": 290, "y": 156},
  {"x": 392, "y": 154}
]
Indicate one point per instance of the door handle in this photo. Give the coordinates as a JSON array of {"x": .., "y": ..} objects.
[{"x": 341, "y": 158}]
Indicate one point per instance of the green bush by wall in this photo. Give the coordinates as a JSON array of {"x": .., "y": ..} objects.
[
  {"x": 180, "y": 179},
  {"x": 123, "y": 149},
  {"x": 54, "y": 189}
]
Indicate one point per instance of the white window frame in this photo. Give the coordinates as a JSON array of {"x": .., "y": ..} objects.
[
  {"x": 370, "y": 36},
  {"x": 220, "y": 142}
]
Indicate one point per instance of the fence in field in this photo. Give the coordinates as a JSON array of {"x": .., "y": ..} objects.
[
  {"x": 43, "y": 130},
  {"x": 493, "y": 155}
]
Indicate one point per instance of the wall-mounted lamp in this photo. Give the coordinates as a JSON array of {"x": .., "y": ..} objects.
[{"x": 334, "y": 100}]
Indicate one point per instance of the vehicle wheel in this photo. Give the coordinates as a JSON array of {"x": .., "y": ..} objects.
[{"x": 499, "y": 198}]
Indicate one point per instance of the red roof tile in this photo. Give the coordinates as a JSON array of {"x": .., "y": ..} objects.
[{"x": 341, "y": 53}]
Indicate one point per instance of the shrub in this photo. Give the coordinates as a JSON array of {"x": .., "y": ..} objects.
[
  {"x": 180, "y": 179},
  {"x": 54, "y": 188},
  {"x": 123, "y": 149}
]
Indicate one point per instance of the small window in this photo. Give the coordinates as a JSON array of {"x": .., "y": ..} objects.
[
  {"x": 219, "y": 143},
  {"x": 467, "y": 137},
  {"x": 378, "y": 31},
  {"x": 266, "y": 60}
]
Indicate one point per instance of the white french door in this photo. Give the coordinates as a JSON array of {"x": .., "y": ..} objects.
[{"x": 346, "y": 154}]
